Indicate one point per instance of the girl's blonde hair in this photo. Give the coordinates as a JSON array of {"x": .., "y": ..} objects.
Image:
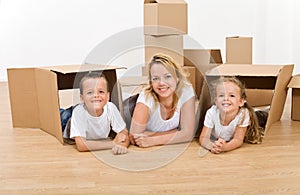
[
  {"x": 175, "y": 70},
  {"x": 254, "y": 133}
]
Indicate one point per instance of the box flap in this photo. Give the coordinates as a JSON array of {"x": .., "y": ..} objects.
[
  {"x": 23, "y": 98},
  {"x": 280, "y": 93},
  {"x": 65, "y": 69},
  {"x": 295, "y": 82},
  {"x": 164, "y": 1},
  {"x": 48, "y": 101},
  {"x": 245, "y": 70}
]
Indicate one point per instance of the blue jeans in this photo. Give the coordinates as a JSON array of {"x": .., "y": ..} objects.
[{"x": 65, "y": 115}]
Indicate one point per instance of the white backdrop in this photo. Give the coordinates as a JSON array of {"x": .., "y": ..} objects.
[{"x": 57, "y": 32}]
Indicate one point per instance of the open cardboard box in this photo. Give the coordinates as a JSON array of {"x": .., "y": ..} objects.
[
  {"x": 34, "y": 93},
  {"x": 165, "y": 17},
  {"x": 295, "y": 85},
  {"x": 270, "y": 77}
]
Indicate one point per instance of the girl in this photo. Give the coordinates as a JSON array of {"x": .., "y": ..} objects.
[
  {"x": 231, "y": 120},
  {"x": 165, "y": 110}
]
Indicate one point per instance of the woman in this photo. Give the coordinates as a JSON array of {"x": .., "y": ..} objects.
[{"x": 165, "y": 110}]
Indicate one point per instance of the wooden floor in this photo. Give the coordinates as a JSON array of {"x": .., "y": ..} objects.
[{"x": 33, "y": 162}]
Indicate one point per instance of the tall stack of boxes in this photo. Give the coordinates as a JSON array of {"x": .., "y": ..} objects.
[{"x": 165, "y": 23}]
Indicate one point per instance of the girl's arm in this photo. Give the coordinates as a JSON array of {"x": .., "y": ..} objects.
[
  {"x": 237, "y": 140},
  {"x": 204, "y": 139},
  {"x": 185, "y": 134}
]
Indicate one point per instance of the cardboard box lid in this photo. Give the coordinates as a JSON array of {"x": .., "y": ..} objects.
[
  {"x": 65, "y": 69},
  {"x": 166, "y": 1},
  {"x": 295, "y": 82},
  {"x": 245, "y": 70}
]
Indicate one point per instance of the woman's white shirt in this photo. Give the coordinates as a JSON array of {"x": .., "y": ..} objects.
[{"x": 156, "y": 123}]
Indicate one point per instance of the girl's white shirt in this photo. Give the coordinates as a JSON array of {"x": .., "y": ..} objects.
[
  {"x": 156, "y": 123},
  {"x": 212, "y": 120}
]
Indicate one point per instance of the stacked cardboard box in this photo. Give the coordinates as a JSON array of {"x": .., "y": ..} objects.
[{"x": 165, "y": 22}]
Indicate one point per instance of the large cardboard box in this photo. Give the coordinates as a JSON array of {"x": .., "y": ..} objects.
[
  {"x": 295, "y": 85},
  {"x": 270, "y": 77},
  {"x": 165, "y": 17},
  {"x": 202, "y": 60},
  {"x": 238, "y": 50},
  {"x": 34, "y": 93},
  {"x": 171, "y": 45}
]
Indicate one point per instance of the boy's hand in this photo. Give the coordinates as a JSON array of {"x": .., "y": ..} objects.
[{"x": 119, "y": 149}]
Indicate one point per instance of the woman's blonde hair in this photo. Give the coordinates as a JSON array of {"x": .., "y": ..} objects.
[
  {"x": 175, "y": 70},
  {"x": 254, "y": 133}
]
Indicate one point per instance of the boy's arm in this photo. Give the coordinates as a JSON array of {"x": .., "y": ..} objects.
[
  {"x": 84, "y": 145},
  {"x": 122, "y": 138}
]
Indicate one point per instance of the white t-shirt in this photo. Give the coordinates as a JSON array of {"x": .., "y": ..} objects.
[
  {"x": 90, "y": 127},
  {"x": 155, "y": 122},
  {"x": 212, "y": 120}
]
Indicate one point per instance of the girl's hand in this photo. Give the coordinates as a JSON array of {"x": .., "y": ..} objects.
[
  {"x": 120, "y": 138},
  {"x": 217, "y": 146}
]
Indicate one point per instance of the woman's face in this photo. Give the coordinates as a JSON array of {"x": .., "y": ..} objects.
[{"x": 163, "y": 82}]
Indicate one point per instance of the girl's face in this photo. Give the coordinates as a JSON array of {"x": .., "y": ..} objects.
[
  {"x": 95, "y": 95},
  {"x": 163, "y": 82},
  {"x": 228, "y": 97}
]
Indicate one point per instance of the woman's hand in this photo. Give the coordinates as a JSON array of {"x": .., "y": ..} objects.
[{"x": 143, "y": 140}]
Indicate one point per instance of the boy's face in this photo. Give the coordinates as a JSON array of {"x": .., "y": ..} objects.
[{"x": 94, "y": 95}]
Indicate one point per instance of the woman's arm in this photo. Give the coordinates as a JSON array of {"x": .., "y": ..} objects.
[
  {"x": 237, "y": 140},
  {"x": 185, "y": 134}
]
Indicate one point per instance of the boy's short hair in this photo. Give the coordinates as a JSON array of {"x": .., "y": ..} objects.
[{"x": 92, "y": 75}]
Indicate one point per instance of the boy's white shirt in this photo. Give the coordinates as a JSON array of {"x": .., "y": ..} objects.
[{"x": 92, "y": 128}]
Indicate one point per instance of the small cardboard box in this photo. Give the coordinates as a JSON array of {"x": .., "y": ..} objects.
[
  {"x": 171, "y": 45},
  {"x": 295, "y": 85},
  {"x": 202, "y": 60},
  {"x": 271, "y": 77},
  {"x": 34, "y": 93},
  {"x": 165, "y": 17},
  {"x": 238, "y": 50}
]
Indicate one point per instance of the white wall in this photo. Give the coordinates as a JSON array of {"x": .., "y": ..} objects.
[{"x": 56, "y": 32}]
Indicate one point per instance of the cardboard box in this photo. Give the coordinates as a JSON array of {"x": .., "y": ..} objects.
[
  {"x": 202, "y": 60},
  {"x": 295, "y": 85},
  {"x": 171, "y": 45},
  {"x": 270, "y": 77},
  {"x": 238, "y": 50},
  {"x": 259, "y": 97},
  {"x": 165, "y": 17},
  {"x": 34, "y": 93}
]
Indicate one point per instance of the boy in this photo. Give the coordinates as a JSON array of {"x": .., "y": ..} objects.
[{"x": 93, "y": 118}]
